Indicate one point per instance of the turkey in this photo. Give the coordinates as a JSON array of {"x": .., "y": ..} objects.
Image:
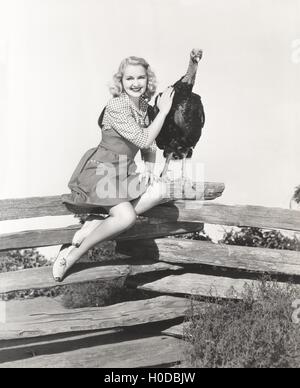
[{"x": 183, "y": 125}]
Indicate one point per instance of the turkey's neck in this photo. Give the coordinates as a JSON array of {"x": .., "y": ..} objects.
[{"x": 191, "y": 73}]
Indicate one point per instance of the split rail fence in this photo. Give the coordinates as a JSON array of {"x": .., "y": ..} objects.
[{"x": 40, "y": 332}]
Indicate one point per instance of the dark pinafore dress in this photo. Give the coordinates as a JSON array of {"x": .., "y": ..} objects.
[{"x": 106, "y": 175}]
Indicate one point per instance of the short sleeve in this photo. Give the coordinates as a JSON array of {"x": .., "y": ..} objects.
[{"x": 122, "y": 120}]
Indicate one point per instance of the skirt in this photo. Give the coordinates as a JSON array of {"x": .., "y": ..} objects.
[{"x": 102, "y": 179}]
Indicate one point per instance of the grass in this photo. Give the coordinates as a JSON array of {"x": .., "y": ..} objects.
[{"x": 257, "y": 332}]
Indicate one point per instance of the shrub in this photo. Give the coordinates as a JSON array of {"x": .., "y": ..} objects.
[
  {"x": 256, "y": 332},
  {"x": 256, "y": 237},
  {"x": 15, "y": 260},
  {"x": 201, "y": 236}
]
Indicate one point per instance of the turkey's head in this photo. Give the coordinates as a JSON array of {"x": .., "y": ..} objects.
[{"x": 196, "y": 55}]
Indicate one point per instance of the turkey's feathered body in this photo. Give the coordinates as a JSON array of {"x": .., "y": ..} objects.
[{"x": 183, "y": 125}]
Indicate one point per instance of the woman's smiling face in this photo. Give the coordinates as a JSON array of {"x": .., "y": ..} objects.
[{"x": 135, "y": 80}]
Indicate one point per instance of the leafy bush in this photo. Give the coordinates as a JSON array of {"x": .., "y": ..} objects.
[
  {"x": 201, "y": 236},
  {"x": 256, "y": 237},
  {"x": 251, "y": 237},
  {"x": 15, "y": 260},
  {"x": 32, "y": 293},
  {"x": 257, "y": 332}
]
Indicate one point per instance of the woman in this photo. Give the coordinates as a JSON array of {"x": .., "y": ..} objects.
[{"x": 106, "y": 176}]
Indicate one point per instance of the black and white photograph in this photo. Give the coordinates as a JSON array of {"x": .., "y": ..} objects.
[{"x": 150, "y": 186}]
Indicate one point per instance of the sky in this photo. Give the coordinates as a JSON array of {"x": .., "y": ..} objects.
[{"x": 57, "y": 58}]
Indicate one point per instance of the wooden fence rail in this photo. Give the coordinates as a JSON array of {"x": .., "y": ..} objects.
[
  {"x": 238, "y": 215},
  {"x": 50, "y": 237},
  {"x": 14, "y": 209},
  {"x": 145, "y": 332},
  {"x": 184, "y": 252}
]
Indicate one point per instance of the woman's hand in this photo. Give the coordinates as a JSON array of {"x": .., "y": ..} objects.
[
  {"x": 165, "y": 101},
  {"x": 149, "y": 177}
]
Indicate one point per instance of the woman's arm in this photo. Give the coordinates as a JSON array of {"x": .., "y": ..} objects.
[
  {"x": 149, "y": 158},
  {"x": 155, "y": 127},
  {"x": 164, "y": 105},
  {"x": 123, "y": 122}
]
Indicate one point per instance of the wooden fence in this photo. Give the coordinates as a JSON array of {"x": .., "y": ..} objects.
[{"x": 40, "y": 332}]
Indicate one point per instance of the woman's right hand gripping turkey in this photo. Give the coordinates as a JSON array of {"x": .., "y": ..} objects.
[{"x": 165, "y": 100}]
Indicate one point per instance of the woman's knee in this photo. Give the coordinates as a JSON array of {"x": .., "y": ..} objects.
[{"x": 125, "y": 214}]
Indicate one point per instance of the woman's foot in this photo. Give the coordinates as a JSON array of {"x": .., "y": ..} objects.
[
  {"x": 89, "y": 225},
  {"x": 61, "y": 264}
]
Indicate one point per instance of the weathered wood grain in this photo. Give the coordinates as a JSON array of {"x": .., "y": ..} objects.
[
  {"x": 176, "y": 331},
  {"x": 180, "y": 190},
  {"x": 12, "y": 209},
  {"x": 182, "y": 252},
  {"x": 237, "y": 215},
  {"x": 51, "y": 237},
  {"x": 15, "y": 209},
  {"x": 40, "y": 278},
  {"x": 141, "y": 268},
  {"x": 19, "y": 310},
  {"x": 202, "y": 285},
  {"x": 20, "y": 349},
  {"x": 109, "y": 317},
  {"x": 185, "y": 212},
  {"x": 139, "y": 353},
  {"x": 151, "y": 230}
]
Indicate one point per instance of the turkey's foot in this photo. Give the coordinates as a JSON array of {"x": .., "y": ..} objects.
[
  {"x": 165, "y": 178},
  {"x": 187, "y": 188}
]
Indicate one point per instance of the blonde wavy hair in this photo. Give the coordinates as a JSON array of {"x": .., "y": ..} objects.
[{"x": 117, "y": 88}]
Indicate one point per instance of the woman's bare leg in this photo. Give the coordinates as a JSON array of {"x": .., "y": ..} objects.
[
  {"x": 122, "y": 217},
  {"x": 91, "y": 223},
  {"x": 155, "y": 195}
]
